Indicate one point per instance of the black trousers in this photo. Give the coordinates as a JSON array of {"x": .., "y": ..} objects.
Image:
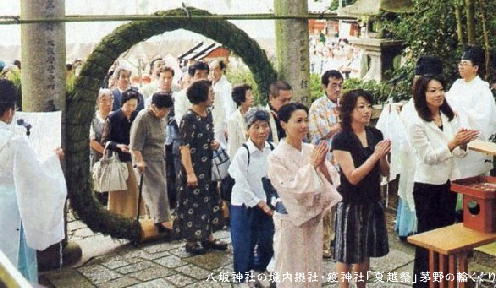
[
  {"x": 171, "y": 171},
  {"x": 435, "y": 208}
]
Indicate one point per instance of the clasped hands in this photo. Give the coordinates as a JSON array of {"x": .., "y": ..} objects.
[
  {"x": 462, "y": 137},
  {"x": 318, "y": 156}
]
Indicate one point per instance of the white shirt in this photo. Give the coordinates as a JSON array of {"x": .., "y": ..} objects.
[
  {"x": 223, "y": 91},
  {"x": 249, "y": 189},
  {"x": 100, "y": 120},
  {"x": 236, "y": 132},
  {"x": 148, "y": 100},
  {"x": 148, "y": 89},
  {"x": 223, "y": 107},
  {"x": 181, "y": 105}
]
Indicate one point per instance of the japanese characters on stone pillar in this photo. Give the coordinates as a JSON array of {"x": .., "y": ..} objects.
[
  {"x": 292, "y": 47},
  {"x": 43, "y": 57}
]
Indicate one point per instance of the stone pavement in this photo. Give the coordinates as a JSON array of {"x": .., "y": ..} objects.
[{"x": 116, "y": 263}]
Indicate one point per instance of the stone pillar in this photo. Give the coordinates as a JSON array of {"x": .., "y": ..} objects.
[
  {"x": 43, "y": 88},
  {"x": 292, "y": 47},
  {"x": 43, "y": 58}
]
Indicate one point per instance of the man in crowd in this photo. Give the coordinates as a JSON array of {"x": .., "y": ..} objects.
[
  {"x": 153, "y": 86},
  {"x": 280, "y": 93},
  {"x": 223, "y": 103},
  {"x": 164, "y": 83},
  {"x": 324, "y": 124},
  {"x": 123, "y": 83},
  {"x": 197, "y": 72}
]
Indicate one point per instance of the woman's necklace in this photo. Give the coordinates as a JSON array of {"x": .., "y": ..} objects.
[{"x": 437, "y": 120}]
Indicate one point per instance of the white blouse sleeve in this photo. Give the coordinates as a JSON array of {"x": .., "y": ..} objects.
[{"x": 425, "y": 151}]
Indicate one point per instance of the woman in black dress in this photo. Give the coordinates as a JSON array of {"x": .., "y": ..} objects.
[
  {"x": 198, "y": 202},
  {"x": 360, "y": 152}
]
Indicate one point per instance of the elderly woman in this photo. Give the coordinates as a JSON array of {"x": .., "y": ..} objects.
[
  {"x": 116, "y": 138},
  {"x": 236, "y": 125},
  {"x": 360, "y": 152},
  {"x": 305, "y": 181},
  {"x": 148, "y": 149},
  {"x": 104, "y": 104},
  {"x": 198, "y": 209},
  {"x": 436, "y": 137},
  {"x": 251, "y": 216}
]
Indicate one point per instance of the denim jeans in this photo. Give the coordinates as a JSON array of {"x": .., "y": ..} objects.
[{"x": 251, "y": 235}]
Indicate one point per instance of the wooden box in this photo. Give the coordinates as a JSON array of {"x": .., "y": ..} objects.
[{"x": 479, "y": 202}]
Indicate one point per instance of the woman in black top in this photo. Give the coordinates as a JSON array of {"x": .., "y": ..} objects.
[
  {"x": 198, "y": 210},
  {"x": 116, "y": 139},
  {"x": 360, "y": 151}
]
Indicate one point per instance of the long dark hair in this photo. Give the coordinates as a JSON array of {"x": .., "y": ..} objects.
[
  {"x": 348, "y": 103},
  {"x": 419, "y": 98}
]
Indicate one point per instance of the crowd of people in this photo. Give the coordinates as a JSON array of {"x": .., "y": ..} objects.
[
  {"x": 335, "y": 54},
  {"x": 304, "y": 183},
  {"x": 324, "y": 163}
]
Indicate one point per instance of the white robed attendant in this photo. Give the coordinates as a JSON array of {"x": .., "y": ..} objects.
[
  {"x": 406, "y": 220},
  {"x": 474, "y": 101},
  {"x": 32, "y": 194}
]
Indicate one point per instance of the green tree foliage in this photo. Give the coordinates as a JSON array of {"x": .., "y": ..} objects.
[
  {"x": 381, "y": 91},
  {"x": 431, "y": 28},
  {"x": 244, "y": 76},
  {"x": 335, "y": 4}
]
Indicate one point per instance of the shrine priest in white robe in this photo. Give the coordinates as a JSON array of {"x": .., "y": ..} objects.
[
  {"x": 32, "y": 194},
  {"x": 472, "y": 99}
]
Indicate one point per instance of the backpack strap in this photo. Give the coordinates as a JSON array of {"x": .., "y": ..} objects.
[
  {"x": 247, "y": 150},
  {"x": 271, "y": 146}
]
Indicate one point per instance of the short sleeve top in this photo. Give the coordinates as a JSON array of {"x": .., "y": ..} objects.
[
  {"x": 368, "y": 189},
  {"x": 197, "y": 133},
  {"x": 148, "y": 135}
]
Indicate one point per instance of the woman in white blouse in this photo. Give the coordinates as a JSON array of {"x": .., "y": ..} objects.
[
  {"x": 436, "y": 136},
  {"x": 251, "y": 217},
  {"x": 236, "y": 125}
]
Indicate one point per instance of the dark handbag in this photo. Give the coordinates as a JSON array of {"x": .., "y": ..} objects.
[
  {"x": 273, "y": 199},
  {"x": 226, "y": 186}
]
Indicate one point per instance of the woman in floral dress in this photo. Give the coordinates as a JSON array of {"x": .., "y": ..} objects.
[{"x": 198, "y": 207}]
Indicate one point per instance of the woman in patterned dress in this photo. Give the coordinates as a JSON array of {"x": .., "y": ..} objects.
[{"x": 198, "y": 208}]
